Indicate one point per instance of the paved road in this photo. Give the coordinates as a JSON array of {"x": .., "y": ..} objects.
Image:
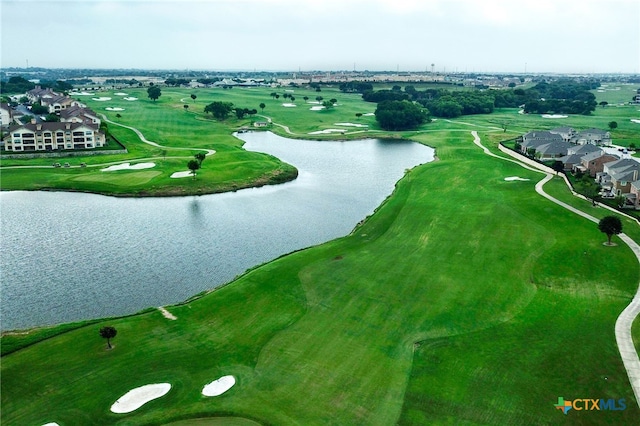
[{"x": 624, "y": 322}]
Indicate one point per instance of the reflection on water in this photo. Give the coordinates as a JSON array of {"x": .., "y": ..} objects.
[{"x": 68, "y": 256}]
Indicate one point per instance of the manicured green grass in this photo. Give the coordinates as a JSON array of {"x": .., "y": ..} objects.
[{"x": 465, "y": 299}]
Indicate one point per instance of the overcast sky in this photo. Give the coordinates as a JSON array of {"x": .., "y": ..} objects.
[{"x": 581, "y": 36}]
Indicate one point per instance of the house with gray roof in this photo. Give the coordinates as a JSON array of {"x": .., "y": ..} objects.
[
  {"x": 552, "y": 150},
  {"x": 567, "y": 133},
  {"x": 620, "y": 174},
  {"x": 592, "y": 136},
  {"x": 536, "y": 138},
  {"x": 593, "y": 163}
]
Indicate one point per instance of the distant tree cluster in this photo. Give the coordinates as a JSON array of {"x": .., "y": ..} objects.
[
  {"x": 220, "y": 110},
  {"x": 562, "y": 96},
  {"x": 356, "y": 87},
  {"x": 400, "y": 115},
  {"x": 17, "y": 84},
  {"x": 177, "y": 81}
]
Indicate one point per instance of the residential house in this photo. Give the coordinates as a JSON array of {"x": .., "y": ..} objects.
[
  {"x": 58, "y": 103},
  {"x": 536, "y": 138},
  {"x": 593, "y": 137},
  {"x": 567, "y": 133},
  {"x": 618, "y": 175},
  {"x": 6, "y": 115},
  {"x": 77, "y": 114},
  {"x": 593, "y": 163},
  {"x": 52, "y": 136},
  {"x": 552, "y": 150}
]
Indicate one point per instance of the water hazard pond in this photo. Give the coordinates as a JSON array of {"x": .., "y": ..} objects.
[{"x": 68, "y": 256}]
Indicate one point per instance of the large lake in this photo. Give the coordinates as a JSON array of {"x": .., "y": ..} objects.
[{"x": 68, "y": 256}]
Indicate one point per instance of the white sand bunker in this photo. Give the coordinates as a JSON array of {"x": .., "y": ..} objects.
[
  {"x": 130, "y": 98},
  {"x": 120, "y": 94},
  {"x": 326, "y": 131},
  {"x": 114, "y": 109},
  {"x": 220, "y": 386},
  {"x": 350, "y": 125},
  {"x": 101, "y": 99},
  {"x": 554, "y": 116},
  {"x": 80, "y": 94},
  {"x": 635, "y": 120},
  {"x": 369, "y": 114},
  {"x": 52, "y": 424},
  {"x": 137, "y": 397},
  {"x": 317, "y": 108},
  {"x": 178, "y": 175},
  {"x": 314, "y": 102},
  {"x": 289, "y": 105},
  {"x": 128, "y": 166},
  {"x": 512, "y": 178}
]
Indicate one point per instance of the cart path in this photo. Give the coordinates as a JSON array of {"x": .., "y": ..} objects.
[{"x": 624, "y": 322}]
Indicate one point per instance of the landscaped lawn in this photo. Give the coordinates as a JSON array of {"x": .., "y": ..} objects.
[{"x": 465, "y": 299}]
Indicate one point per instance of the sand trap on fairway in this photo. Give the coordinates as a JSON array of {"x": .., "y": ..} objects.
[
  {"x": 129, "y": 98},
  {"x": 101, "y": 99},
  {"x": 137, "y": 397},
  {"x": 554, "y": 116},
  {"x": 635, "y": 120},
  {"x": 314, "y": 102},
  {"x": 289, "y": 105},
  {"x": 120, "y": 94},
  {"x": 350, "y": 125},
  {"x": 80, "y": 94},
  {"x": 52, "y": 424},
  {"x": 512, "y": 178},
  {"x": 178, "y": 175},
  {"x": 128, "y": 166},
  {"x": 220, "y": 386},
  {"x": 369, "y": 114},
  {"x": 326, "y": 131},
  {"x": 114, "y": 109},
  {"x": 316, "y": 108}
]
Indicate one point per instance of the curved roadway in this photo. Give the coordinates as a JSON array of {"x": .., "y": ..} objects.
[{"x": 624, "y": 322}]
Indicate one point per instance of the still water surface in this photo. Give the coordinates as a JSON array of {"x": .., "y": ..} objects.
[{"x": 67, "y": 256}]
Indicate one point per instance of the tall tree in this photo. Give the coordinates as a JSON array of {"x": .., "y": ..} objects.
[
  {"x": 193, "y": 96},
  {"x": 613, "y": 125},
  {"x": 262, "y": 105},
  {"x": 193, "y": 165},
  {"x": 610, "y": 225},
  {"x": 108, "y": 332},
  {"x": 154, "y": 93},
  {"x": 200, "y": 157}
]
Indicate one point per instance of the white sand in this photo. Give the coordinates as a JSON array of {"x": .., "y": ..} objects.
[
  {"x": 289, "y": 105},
  {"x": 101, "y": 99},
  {"x": 178, "y": 175},
  {"x": 314, "y": 102},
  {"x": 369, "y": 114},
  {"x": 635, "y": 120},
  {"x": 350, "y": 125},
  {"x": 114, "y": 109},
  {"x": 554, "y": 116},
  {"x": 167, "y": 314},
  {"x": 137, "y": 397},
  {"x": 128, "y": 166},
  {"x": 220, "y": 386},
  {"x": 129, "y": 98},
  {"x": 80, "y": 94},
  {"x": 52, "y": 424},
  {"x": 316, "y": 108},
  {"x": 326, "y": 131},
  {"x": 512, "y": 178},
  {"x": 120, "y": 94}
]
